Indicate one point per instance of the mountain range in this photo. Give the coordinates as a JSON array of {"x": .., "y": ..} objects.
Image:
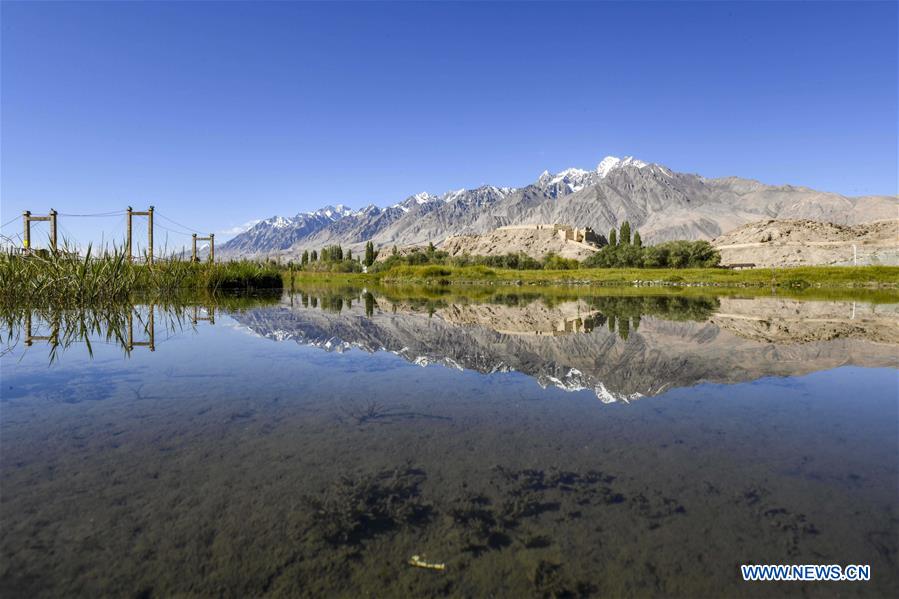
[{"x": 661, "y": 203}]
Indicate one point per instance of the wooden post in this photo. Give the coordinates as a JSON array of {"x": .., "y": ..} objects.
[
  {"x": 150, "y": 236},
  {"x": 149, "y": 215},
  {"x": 129, "y": 212},
  {"x": 211, "y": 240},
  {"x": 152, "y": 324},
  {"x": 52, "y": 338},
  {"x": 53, "y": 229},
  {"x": 26, "y": 220},
  {"x": 210, "y": 315},
  {"x": 151, "y": 331}
]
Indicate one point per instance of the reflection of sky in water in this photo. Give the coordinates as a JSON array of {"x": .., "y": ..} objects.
[{"x": 220, "y": 426}]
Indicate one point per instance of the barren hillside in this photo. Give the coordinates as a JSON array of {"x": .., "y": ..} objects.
[
  {"x": 535, "y": 242},
  {"x": 807, "y": 242}
]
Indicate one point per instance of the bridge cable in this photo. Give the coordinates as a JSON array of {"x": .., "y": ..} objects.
[{"x": 176, "y": 223}]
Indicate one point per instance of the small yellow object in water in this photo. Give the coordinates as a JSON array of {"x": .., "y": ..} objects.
[{"x": 416, "y": 561}]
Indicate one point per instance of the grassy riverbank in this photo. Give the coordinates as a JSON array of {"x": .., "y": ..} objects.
[
  {"x": 66, "y": 279},
  {"x": 823, "y": 277}
]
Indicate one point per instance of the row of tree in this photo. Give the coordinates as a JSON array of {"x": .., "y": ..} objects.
[
  {"x": 624, "y": 250},
  {"x": 671, "y": 254},
  {"x": 331, "y": 253},
  {"x": 624, "y": 238}
]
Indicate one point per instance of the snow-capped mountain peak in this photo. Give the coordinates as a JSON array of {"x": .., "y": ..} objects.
[
  {"x": 412, "y": 201},
  {"x": 333, "y": 212},
  {"x": 568, "y": 175},
  {"x": 610, "y": 163},
  {"x": 277, "y": 222},
  {"x": 568, "y": 181}
]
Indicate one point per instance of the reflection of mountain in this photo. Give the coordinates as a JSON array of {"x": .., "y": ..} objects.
[
  {"x": 534, "y": 319},
  {"x": 790, "y": 321},
  {"x": 618, "y": 357}
]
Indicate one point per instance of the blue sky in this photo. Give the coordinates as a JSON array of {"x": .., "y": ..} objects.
[{"x": 223, "y": 113}]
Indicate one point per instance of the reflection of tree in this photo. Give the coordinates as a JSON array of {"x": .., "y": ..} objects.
[
  {"x": 331, "y": 303},
  {"x": 663, "y": 306},
  {"x": 370, "y": 304}
]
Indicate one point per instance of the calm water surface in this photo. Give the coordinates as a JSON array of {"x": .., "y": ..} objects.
[{"x": 535, "y": 444}]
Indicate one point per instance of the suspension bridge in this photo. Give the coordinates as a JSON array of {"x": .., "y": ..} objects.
[{"x": 22, "y": 242}]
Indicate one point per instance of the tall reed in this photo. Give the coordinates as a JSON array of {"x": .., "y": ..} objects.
[{"x": 68, "y": 278}]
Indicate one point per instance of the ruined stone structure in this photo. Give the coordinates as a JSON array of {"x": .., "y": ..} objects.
[{"x": 564, "y": 232}]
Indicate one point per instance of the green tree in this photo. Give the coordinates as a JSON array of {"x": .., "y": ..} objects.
[
  {"x": 304, "y": 260},
  {"x": 638, "y": 241},
  {"x": 349, "y": 254},
  {"x": 625, "y": 237},
  {"x": 655, "y": 256},
  {"x": 613, "y": 237},
  {"x": 629, "y": 256},
  {"x": 704, "y": 255},
  {"x": 369, "y": 254},
  {"x": 313, "y": 257}
]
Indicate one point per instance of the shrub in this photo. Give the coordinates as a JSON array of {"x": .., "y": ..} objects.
[
  {"x": 434, "y": 271},
  {"x": 555, "y": 262},
  {"x": 671, "y": 254}
]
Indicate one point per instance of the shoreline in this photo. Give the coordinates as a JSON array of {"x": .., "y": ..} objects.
[{"x": 797, "y": 278}]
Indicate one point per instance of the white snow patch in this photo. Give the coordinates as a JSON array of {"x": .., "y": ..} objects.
[
  {"x": 278, "y": 222},
  {"x": 606, "y": 396},
  {"x": 610, "y": 163},
  {"x": 568, "y": 174}
]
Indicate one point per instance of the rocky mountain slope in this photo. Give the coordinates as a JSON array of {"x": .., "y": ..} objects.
[
  {"x": 536, "y": 243},
  {"x": 661, "y": 203},
  {"x": 782, "y": 243}
]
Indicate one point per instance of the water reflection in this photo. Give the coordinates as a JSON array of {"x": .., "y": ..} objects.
[
  {"x": 127, "y": 326},
  {"x": 293, "y": 445},
  {"x": 622, "y": 347}
]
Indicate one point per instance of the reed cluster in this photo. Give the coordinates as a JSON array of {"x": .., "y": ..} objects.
[{"x": 67, "y": 278}]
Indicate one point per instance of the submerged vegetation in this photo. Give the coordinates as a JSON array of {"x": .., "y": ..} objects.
[{"x": 66, "y": 278}]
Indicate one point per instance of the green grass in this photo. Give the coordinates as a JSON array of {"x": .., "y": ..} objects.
[
  {"x": 492, "y": 291},
  {"x": 845, "y": 283},
  {"x": 796, "y": 278},
  {"x": 68, "y": 279}
]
